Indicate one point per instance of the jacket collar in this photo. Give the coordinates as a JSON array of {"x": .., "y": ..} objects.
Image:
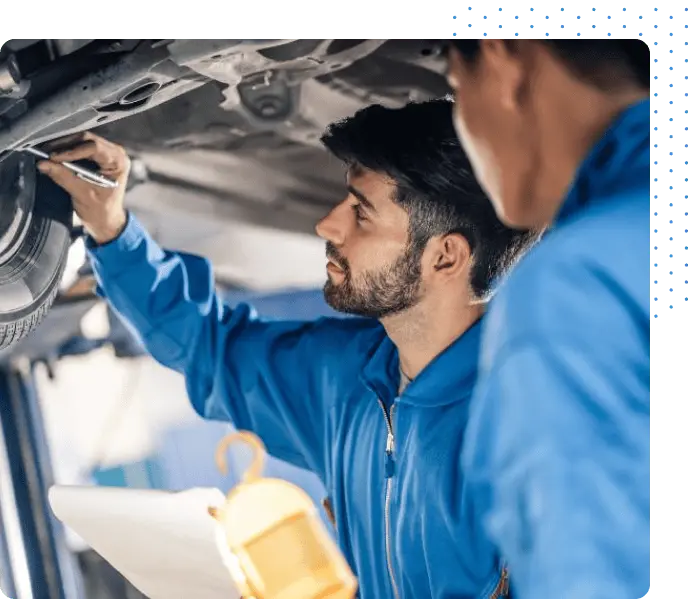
[
  {"x": 449, "y": 377},
  {"x": 619, "y": 162}
]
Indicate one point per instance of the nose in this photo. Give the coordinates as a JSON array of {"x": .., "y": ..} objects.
[{"x": 333, "y": 226}]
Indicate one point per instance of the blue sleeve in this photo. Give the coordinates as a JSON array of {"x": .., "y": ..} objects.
[
  {"x": 276, "y": 379},
  {"x": 557, "y": 450}
]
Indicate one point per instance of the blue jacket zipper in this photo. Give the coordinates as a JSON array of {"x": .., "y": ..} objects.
[{"x": 389, "y": 473}]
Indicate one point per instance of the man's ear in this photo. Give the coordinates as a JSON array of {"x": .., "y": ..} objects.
[{"x": 450, "y": 254}]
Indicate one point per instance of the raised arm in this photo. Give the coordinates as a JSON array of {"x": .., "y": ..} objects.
[{"x": 277, "y": 379}]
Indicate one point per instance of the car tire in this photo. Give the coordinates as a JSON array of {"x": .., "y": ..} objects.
[{"x": 35, "y": 236}]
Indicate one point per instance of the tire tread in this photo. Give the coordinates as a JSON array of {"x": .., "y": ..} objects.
[{"x": 13, "y": 332}]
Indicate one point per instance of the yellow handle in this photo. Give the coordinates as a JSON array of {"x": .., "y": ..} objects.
[{"x": 256, "y": 468}]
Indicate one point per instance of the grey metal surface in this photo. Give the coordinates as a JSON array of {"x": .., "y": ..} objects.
[
  {"x": 229, "y": 132},
  {"x": 9, "y": 75},
  {"x": 75, "y": 107}
]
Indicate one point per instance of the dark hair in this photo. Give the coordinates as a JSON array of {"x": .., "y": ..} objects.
[
  {"x": 417, "y": 147},
  {"x": 602, "y": 63}
]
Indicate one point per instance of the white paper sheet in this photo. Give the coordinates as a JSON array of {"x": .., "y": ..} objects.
[{"x": 163, "y": 543}]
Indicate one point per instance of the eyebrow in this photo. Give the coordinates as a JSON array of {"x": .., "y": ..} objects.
[{"x": 362, "y": 198}]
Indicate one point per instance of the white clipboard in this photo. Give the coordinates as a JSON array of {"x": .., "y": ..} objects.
[{"x": 164, "y": 543}]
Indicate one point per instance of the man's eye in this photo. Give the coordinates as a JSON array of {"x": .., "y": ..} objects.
[{"x": 358, "y": 213}]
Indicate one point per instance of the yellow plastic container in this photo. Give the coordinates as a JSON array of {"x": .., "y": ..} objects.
[{"x": 272, "y": 538}]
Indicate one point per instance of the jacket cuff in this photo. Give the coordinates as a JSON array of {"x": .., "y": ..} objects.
[{"x": 117, "y": 254}]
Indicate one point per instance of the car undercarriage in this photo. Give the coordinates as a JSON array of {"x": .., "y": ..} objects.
[{"x": 225, "y": 141}]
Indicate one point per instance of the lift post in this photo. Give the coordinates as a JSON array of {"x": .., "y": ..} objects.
[{"x": 35, "y": 560}]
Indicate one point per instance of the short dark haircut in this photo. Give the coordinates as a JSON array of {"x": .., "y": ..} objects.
[
  {"x": 417, "y": 147},
  {"x": 603, "y": 63}
]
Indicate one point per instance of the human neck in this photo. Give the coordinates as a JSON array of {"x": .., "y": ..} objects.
[
  {"x": 426, "y": 330},
  {"x": 590, "y": 113}
]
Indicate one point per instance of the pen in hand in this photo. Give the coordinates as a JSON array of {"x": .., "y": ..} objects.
[{"x": 83, "y": 173}]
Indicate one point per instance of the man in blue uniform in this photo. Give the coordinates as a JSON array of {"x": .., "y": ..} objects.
[
  {"x": 557, "y": 448},
  {"x": 375, "y": 406}
]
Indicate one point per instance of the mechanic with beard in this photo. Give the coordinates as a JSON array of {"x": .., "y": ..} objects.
[{"x": 375, "y": 406}]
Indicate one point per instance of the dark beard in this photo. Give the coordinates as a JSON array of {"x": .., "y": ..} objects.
[{"x": 391, "y": 290}]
